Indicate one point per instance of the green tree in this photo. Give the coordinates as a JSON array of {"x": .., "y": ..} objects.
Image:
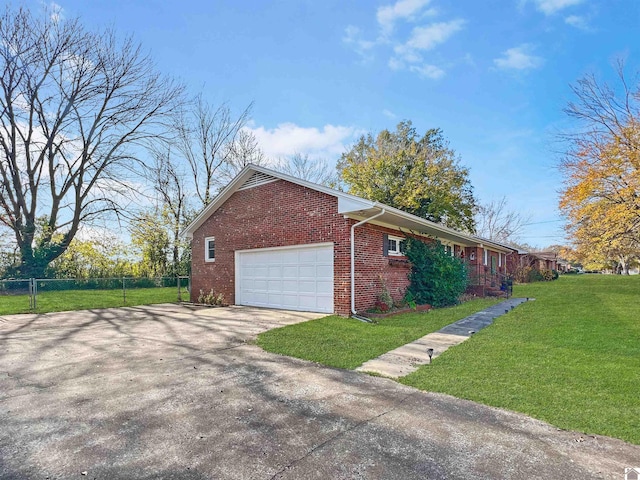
[
  {"x": 420, "y": 175},
  {"x": 149, "y": 235},
  {"x": 601, "y": 168},
  {"x": 95, "y": 258}
]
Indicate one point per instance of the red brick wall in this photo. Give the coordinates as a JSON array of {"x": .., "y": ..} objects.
[
  {"x": 373, "y": 269},
  {"x": 271, "y": 215},
  {"x": 282, "y": 213}
]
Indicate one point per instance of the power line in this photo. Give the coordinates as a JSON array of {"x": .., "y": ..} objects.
[{"x": 538, "y": 223}]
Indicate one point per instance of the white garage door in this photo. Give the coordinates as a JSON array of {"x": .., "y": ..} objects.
[{"x": 292, "y": 278}]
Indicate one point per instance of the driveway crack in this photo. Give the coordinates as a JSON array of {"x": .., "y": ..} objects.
[{"x": 340, "y": 434}]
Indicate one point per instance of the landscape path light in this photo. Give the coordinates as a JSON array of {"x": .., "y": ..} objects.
[{"x": 430, "y": 353}]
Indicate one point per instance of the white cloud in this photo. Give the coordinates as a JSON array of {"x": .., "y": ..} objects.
[
  {"x": 549, "y": 7},
  {"x": 408, "y": 54},
  {"x": 56, "y": 12},
  {"x": 423, "y": 39},
  {"x": 353, "y": 37},
  {"x": 427, "y": 71},
  {"x": 389, "y": 114},
  {"x": 577, "y": 21},
  {"x": 427, "y": 38},
  {"x": 289, "y": 138},
  {"x": 518, "y": 58},
  {"x": 406, "y": 10},
  {"x": 396, "y": 64}
]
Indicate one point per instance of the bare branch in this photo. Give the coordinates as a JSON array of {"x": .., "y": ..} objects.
[{"x": 75, "y": 106}]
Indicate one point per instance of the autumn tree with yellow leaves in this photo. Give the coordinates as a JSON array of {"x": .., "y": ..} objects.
[{"x": 601, "y": 191}]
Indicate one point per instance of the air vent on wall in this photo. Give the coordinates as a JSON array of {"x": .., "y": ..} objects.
[{"x": 256, "y": 179}]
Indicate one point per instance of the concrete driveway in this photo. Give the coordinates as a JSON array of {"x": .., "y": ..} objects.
[{"x": 178, "y": 393}]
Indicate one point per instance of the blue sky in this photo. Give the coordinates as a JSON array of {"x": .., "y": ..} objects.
[{"x": 493, "y": 74}]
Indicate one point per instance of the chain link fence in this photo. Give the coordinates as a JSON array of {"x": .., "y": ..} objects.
[{"x": 48, "y": 295}]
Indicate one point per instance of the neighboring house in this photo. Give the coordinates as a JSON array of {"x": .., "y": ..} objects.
[
  {"x": 272, "y": 240},
  {"x": 537, "y": 260}
]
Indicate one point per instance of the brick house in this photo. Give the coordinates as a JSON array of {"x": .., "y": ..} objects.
[
  {"x": 272, "y": 240},
  {"x": 536, "y": 260}
]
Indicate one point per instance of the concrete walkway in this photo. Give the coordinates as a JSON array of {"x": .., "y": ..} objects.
[{"x": 407, "y": 358}]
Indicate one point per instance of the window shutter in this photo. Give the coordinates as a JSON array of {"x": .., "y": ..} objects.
[{"x": 385, "y": 245}]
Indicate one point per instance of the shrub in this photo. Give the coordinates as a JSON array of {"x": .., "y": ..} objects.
[
  {"x": 534, "y": 275},
  {"x": 384, "y": 302},
  {"x": 211, "y": 298},
  {"x": 436, "y": 278}
]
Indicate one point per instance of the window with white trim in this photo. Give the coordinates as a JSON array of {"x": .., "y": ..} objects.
[
  {"x": 396, "y": 245},
  {"x": 210, "y": 249},
  {"x": 448, "y": 247}
]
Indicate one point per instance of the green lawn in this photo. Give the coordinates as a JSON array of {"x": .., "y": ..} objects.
[
  {"x": 348, "y": 343},
  {"x": 571, "y": 358},
  {"x": 86, "y": 299}
]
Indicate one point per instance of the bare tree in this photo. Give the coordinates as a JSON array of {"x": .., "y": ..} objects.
[
  {"x": 316, "y": 171},
  {"x": 74, "y": 108},
  {"x": 243, "y": 151},
  {"x": 206, "y": 139},
  {"x": 170, "y": 184},
  {"x": 496, "y": 222}
]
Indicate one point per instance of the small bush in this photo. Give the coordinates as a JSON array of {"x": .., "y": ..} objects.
[
  {"x": 211, "y": 298},
  {"x": 384, "y": 302},
  {"x": 534, "y": 275}
]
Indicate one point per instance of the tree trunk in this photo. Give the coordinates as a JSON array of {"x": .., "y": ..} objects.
[{"x": 624, "y": 266}]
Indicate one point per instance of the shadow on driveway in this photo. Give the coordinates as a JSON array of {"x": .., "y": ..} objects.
[{"x": 172, "y": 392}]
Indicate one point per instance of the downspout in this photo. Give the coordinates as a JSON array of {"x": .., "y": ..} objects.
[{"x": 353, "y": 259}]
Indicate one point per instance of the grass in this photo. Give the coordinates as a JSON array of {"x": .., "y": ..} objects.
[
  {"x": 571, "y": 358},
  {"x": 348, "y": 343},
  {"x": 86, "y": 299}
]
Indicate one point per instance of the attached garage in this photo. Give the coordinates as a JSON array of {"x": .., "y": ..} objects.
[{"x": 299, "y": 277}]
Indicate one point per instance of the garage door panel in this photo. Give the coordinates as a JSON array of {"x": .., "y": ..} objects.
[
  {"x": 275, "y": 271},
  {"x": 324, "y": 271},
  {"x": 289, "y": 286},
  {"x": 290, "y": 271},
  {"x": 324, "y": 288},
  {"x": 308, "y": 271},
  {"x": 308, "y": 301},
  {"x": 297, "y": 278},
  {"x": 289, "y": 257},
  {"x": 306, "y": 286},
  {"x": 309, "y": 256},
  {"x": 290, "y": 301},
  {"x": 275, "y": 299},
  {"x": 325, "y": 257},
  {"x": 261, "y": 298},
  {"x": 258, "y": 271}
]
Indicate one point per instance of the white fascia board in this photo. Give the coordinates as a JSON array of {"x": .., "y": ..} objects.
[{"x": 348, "y": 204}]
